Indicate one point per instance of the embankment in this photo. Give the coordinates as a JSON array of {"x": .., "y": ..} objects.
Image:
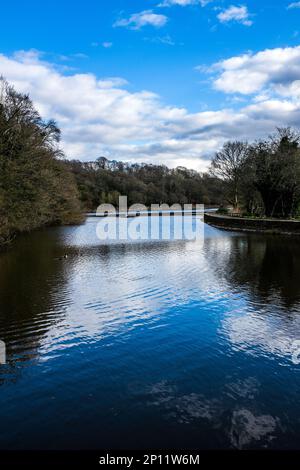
[{"x": 247, "y": 224}]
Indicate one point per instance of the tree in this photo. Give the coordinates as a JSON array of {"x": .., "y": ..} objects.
[
  {"x": 275, "y": 165},
  {"x": 36, "y": 188},
  {"x": 228, "y": 166}
]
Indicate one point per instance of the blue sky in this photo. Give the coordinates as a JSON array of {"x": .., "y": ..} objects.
[{"x": 168, "y": 55}]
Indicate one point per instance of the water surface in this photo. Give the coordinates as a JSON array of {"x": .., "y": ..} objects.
[{"x": 150, "y": 344}]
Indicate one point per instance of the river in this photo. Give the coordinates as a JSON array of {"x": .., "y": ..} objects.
[{"x": 153, "y": 344}]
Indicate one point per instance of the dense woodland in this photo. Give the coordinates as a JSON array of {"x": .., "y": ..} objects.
[
  {"x": 104, "y": 180},
  {"x": 39, "y": 186}
]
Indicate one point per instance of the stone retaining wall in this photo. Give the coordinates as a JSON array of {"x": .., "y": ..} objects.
[{"x": 291, "y": 227}]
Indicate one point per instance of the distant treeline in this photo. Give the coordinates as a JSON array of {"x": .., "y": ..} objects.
[{"x": 104, "y": 181}]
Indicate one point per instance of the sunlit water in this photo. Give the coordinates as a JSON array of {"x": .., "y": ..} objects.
[{"x": 159, "y": 344}]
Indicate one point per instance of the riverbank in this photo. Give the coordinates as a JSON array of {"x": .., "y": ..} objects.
[
  {"x": 6, "y": 242},
  {"x": 247, "y": 224}
]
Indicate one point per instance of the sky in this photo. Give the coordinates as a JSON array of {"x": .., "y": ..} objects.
[{"x": 156, "y": 81}]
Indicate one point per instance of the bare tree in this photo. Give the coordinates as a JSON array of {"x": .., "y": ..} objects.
[{"x": 228, "y": 166}]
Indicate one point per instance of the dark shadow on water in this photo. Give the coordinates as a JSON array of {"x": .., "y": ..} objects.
[
  {"x": 268, "y": 267},
  {"x": 33, "y": 294}
]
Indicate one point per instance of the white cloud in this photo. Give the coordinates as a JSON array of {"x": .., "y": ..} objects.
[
  {"x": 250, "y": 73},
  {"x": 294, "y": 5},
  {"x": 100, "y": 117},
  {"x": 105, "y": 44},
  {"x": 183, "y": 3},
  {"x": 239, "y": 14},
  {"x": 145, "y": 18},
  {"x": 166, "y": 40}
]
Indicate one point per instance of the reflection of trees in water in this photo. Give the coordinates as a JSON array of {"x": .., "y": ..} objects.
[
  {"x": 32, "y": 280},
  {"x": 35, "y": 287},
  {"x": 266, "y": 266},
  {"x": 148, "y": 248}
]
